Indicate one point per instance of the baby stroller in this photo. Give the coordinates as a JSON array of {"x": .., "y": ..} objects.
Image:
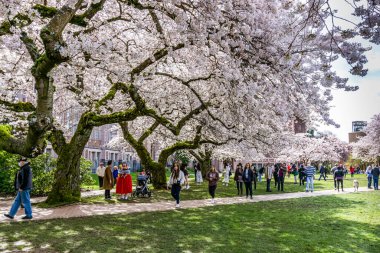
[{"x": 142, "y": 188}]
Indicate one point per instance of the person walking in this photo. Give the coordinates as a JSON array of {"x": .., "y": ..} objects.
[
  {"x": 212, "y": 177},
  {"x": 322, "y": 173},
  {"x": 268, "y": 176},
  {"x": 339, "y": 175},
  {"x": 261, "y": 171},
  {"x": 368, "y": 172},
  {"x": 309, "y": 173},
  {"x": 352, "y": 170},
  {"x": 108, "y": 181},
  {"x": 248, "y": 178},
  {"x": 295, "y": 173},
  {"x": 281, "y": 177},
  {"x": 275, "y": 175},
  {"x": 177, "y": 178},
  {"x": 100, "y": 172},
  {"x": 301, "y": 174},
  {"x": 227, "y": 175},
  {"x": 23, "y": 186},
  {"x": 238, "y": 178},
  {"x": 333, "y": 169},
  {"x": 375, "y": 176},
  {"x": 199, "y": 178},
  {"x": 254, "y": 170}
]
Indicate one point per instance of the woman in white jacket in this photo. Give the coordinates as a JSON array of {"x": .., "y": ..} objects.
[
  {"x": 177, "y": 178},
  {"x": 227, "y": 174}
]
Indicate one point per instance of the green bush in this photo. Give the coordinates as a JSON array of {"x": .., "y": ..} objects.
[{"x": 43, "y": 168}]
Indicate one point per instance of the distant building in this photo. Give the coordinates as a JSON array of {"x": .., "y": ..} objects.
[{"x": 357, "y": 131}]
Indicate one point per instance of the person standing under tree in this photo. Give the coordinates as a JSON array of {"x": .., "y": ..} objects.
[
  {"x": 248, "y": 178},
  {"x": 212, "y": 177},
  {"x": 177, "y": 178},
  {"x": 368, "y": 172},
  {"x": 100, "y": 172},
  {"x": 254, "y": 170},
  {"x": 375, "y": 175},
  {"x": 23, "y": 185},
  {"x": 227, "y": 175},
  {"x": 295, "y": 173},
  {"x": 268, "y": 176},
  {"x": 339, "y": 175},
  {"x": 322, "y": 172},
  {"x": 198, "y": 177},
  {"x": 186, "y": 173},
  {"x": 239, "y": 179},
  {"x": 108, "y": 181},
  {"x": 309, "y": 173},
  {"x": 301, "y": 175},
  {"x": 281, "y": 177}
]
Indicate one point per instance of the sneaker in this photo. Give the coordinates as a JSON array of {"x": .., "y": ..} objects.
[
  {"x": 177, "y": 206},
  {"x": 27, "y": 218},
  {"x": 212, "y": 201},
  {"x": 307, "y": 190},
  {"x": 8, "y": 216},
  {"x": 251, "y": 197},
  {"x": 311, "y": 191}
]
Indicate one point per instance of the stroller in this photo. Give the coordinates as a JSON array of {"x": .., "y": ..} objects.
[{"x": 142, "y": 188}]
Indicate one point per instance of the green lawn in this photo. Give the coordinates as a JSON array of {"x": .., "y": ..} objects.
[
  {"x": 201, "y": 191},
  {"x": 339, "y": 223}
]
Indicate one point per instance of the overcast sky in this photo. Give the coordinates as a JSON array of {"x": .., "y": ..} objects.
[{"x": 361, "y": 104}]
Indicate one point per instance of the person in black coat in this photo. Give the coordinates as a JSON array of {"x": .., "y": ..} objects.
[
  {"x": 248, "y": 178},
  {"x": 23, "y": 186}
]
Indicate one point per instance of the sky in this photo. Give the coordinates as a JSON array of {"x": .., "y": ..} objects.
[{"x": 362, "y": 104}]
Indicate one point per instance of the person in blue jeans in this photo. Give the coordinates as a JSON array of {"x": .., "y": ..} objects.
[
  {"x": 23, "y": 185},
  {"x": 375, "y": 175},
  {"x": 368, "y": 172}
]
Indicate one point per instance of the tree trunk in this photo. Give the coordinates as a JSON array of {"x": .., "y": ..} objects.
[
  {"x": 66, "y": 187},
  {"x": 158, "y": 175}
]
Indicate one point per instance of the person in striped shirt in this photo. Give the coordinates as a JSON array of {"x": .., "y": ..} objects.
[{"x": 309, "y": 172}]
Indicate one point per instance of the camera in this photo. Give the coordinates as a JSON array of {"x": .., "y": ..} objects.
[{"x": 178, "y": 181}]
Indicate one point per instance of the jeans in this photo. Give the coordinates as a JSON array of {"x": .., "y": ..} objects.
[
  {"x": 339, "y": 181},
  {"x": 254, "y": 182},
  {"x": 211, "y": 190},
  {"x": 248, "y": 188},
  {"x": 309, "y": 183},
  {"x": 376, "y": 183},
  {"x": 322, "y": 175},
  {"x": 24, "y": 198},
  {"x": 280, "y": 183},
  {"x": 302, "y": 180},
  {"x": 239, "y": 186},
  {"x": 268, "y": 185},
  {"x": 176, "y": 188},
  {"x": 260, "y": 174},
  {"x": 369, "y": 182}
]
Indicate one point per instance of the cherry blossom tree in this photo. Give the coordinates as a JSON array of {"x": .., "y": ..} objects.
[
  {"x": 368, "y": 147},
  {"x": 246, "y": 68}
]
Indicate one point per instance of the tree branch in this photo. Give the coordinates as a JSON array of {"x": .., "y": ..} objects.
[
  {"x": 148, "y": 132},
  {"x": 19, "y": 106}
]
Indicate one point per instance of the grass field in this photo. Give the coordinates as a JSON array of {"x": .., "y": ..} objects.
[
  {"x": 201, "y": 191},
  {"x": 339, "y": 223}
]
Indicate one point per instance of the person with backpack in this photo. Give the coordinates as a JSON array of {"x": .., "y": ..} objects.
[{"x": 339, "y": 175}]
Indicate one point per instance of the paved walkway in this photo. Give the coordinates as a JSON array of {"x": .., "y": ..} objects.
[{"x": 101, "y": 209}]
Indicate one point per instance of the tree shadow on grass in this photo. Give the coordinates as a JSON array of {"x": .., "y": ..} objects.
[{"x": 340, "y": 223}]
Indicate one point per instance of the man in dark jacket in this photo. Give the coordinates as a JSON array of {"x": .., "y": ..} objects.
[
  {"x": 23, "y": 185},
  {"x": 375, "y": 175},
  {"x": 248, "y": 178}
]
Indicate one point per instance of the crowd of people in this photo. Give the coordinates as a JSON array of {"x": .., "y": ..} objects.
[{"x": 111, "y": 176}]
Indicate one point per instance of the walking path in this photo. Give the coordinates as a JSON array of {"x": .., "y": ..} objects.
[{"x": 101, "y": 209}]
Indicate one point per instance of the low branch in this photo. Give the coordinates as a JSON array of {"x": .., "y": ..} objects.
[
  {"x": 148, "y": 132},
  {"x": 18, "y": 107},
  {"x": 30, "y": 46}
]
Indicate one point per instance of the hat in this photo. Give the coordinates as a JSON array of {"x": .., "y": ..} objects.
[{"x": 22, "y": 159}]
